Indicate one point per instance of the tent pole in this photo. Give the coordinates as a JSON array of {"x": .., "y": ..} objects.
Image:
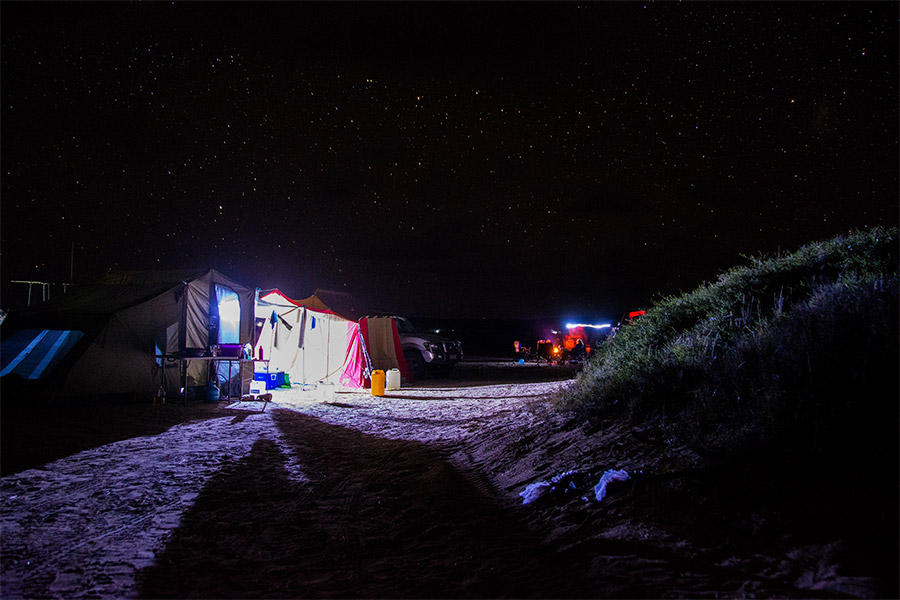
[
  {"x": 182, "y": 341},
  {"x": 303, "y": 349},
  {"x": 271, "y": 343}
]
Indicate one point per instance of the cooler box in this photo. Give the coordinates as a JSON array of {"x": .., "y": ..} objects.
[{"x": 273, "y": 380}]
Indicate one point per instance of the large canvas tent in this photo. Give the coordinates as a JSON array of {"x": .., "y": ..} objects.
[
  {"x": 131, "y": 333},
  {"x": 309, "y": 345}
]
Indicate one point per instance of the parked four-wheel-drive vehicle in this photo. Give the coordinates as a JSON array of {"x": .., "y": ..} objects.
[{"x": 427, "y": 352}]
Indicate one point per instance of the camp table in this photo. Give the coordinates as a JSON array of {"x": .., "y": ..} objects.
[{"x": 228, "y": 359}]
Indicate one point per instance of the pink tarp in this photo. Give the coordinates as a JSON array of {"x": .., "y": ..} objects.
[{"x": 354, "y": 375}]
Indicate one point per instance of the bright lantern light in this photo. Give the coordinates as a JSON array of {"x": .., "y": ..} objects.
[{"x": 576, "y": 325}]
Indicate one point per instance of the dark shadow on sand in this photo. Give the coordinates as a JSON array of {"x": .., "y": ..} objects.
[{"x": 378, "y": 518}]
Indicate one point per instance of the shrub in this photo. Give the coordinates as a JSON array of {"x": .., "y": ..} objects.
[{"x": 788, "y": 349}]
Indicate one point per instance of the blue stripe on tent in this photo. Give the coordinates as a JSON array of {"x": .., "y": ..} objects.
[
  {"x": 24, "y": 353},
  {"x": 60, "y": 340},
  {"x": 40, "y": 351}
]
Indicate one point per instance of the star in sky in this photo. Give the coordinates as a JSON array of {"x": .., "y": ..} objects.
[{"x": 478, "y": 159}]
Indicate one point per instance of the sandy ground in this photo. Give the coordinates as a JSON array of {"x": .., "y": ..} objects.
[{"x": 416, "y": 494}]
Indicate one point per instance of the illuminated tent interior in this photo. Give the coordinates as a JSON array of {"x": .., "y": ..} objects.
[
  {"x": 380, "y": 334},
  {"x": 127, "y": 334},
  {"x": 310, "y": 345}
]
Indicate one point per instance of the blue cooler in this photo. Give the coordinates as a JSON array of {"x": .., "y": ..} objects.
[{"x": 273, "y": 380}]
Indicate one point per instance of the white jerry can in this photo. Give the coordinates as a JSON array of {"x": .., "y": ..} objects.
[{"x": 392, "y": 381}]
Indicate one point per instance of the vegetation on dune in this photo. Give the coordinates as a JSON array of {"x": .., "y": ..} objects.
[{"x": 788, "y": 351}]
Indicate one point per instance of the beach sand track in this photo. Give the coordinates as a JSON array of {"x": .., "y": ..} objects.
[{"x": 378, "y": 518}]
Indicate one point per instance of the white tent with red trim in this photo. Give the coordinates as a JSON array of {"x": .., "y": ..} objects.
[
  {"x": 380, "y": 333},
  {"x": 310, "y": 345}
]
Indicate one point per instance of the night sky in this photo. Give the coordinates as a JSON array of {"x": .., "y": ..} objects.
[{"x": 451, "y": 159}]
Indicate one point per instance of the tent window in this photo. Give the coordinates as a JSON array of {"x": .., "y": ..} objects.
[{"x": 229, "y": 315}]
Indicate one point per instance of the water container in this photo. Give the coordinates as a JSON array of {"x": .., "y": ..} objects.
[
  {"x": 211, "y": 392},
  {"x": 392, "y": 380},
  {"x": 378, "y": 383}
]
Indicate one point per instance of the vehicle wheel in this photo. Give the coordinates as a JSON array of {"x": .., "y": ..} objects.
[{"x": 415, "y": 363}]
